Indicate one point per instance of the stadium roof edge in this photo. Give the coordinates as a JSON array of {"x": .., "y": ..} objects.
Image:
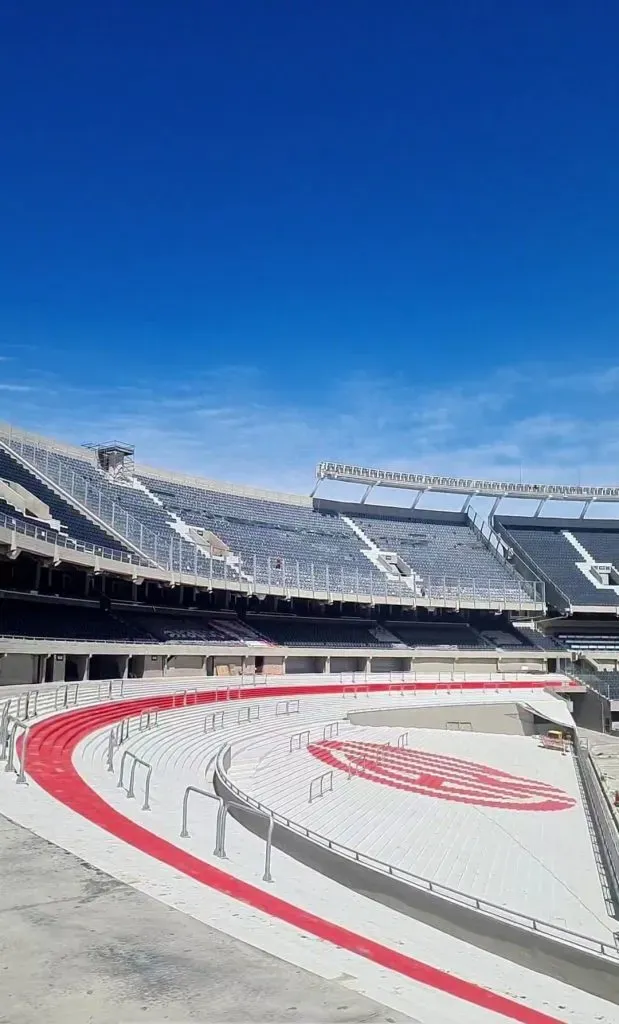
[{"x": 371, "y": 478}]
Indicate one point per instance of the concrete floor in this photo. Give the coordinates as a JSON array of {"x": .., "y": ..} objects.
[{"x": 79, "y": 947}]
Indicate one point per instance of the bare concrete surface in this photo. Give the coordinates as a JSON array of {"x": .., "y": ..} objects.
[{"x": 79, "y": 947}]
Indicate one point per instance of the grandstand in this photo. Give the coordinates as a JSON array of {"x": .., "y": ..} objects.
[{"x": 378, "y": 709}]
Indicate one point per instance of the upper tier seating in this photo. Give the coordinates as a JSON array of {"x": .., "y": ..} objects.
[
  {"x": 283, "y": 544},
  {"x": 296, "y": 632},
  {"x": 435, "y": 548},
  {"x": 552, "y": 555},
  {"x": 272, "y": 543},
  {"x": 602, "y": 545},
  {"x": 75, "y": 525}
]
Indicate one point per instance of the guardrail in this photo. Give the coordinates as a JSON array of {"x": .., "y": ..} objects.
[
  {"x": 296, "y": 740},
  {"x": 526, "y": 922},
  {"x": 605, "y": 825},
  {"x": 287, "y": 707},
  {"x": 402, "y": 740},
  {"x": 216, "y": 720},
  {"x": 9, "y": 743},
  {"x": 219, "y": 850},
  {"x": 135, "y": 762},
  {"x": 249, "y": 714},
  {"x": 62, "y": 697},
  {"x": 324, "y": 784},
  {"x": 330, "y": 730},
  {"x": 227, "y": 804},
  {"x": 180, "y": 698}
]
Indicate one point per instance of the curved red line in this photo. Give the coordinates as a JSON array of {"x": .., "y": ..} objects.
[{"x": 51, "y": 746}]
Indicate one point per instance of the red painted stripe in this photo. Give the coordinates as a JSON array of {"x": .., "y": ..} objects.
[{"x": 50, "y": 752}]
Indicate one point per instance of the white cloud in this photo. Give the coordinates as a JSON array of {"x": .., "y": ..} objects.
[{"x": 232, "y": 423}]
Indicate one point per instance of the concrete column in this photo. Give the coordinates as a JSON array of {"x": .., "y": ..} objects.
[
  {"x": 326, "y": 665},
  {"x": 123, "y": 666},
  {"x": 58, "y": 667},
  {"x": 82, "y": 664},
  {"x": 37, "y": 576}
]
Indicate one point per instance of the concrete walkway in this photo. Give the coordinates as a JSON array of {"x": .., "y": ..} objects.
[{"x": 80, "y": 947}]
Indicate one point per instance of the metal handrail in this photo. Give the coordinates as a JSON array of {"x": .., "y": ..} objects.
[
  {"x": 64, "y": 690},
  {"x": 18, "y": 723},
  {"x": 148, "y": 718},
  {"x": 247, "y": 714},
  {"x": 227, "y": 804},
  {"x": 214, "y": 718},
  {"x": 321, "y": 780},
  {"x": 219, "y": 849},
  {"x": 515, "y": 917},
  {"x": 149, "y": 771},
  {"x": 330, "y": 730},
  {"x": 296, "y": 740},
  {"x": 287, "y": 707}
]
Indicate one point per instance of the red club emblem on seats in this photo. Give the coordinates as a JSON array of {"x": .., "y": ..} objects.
[{"x": 440, "y": 776}]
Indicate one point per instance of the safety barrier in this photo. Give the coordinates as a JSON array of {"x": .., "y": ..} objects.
[
  {"x": 599, "y": 807},
  {"x": 63, "y": 694},
  {"x": 148, "y": 719},
  {"x": 181, "y": 698},
  {"x": 296, "y": 740},
  {"x": 219, "y": 849},
  {"x": 10, "y": 744},
  {"x": 249, "y": 714},
  {"x": 27, "y": 704},
  {"x": 287, "y": 707},
  {"x": 216, "y": 720},
  {"x": 135, "y": 762},
  {"x": 331, "y": 730},
  {"x": 402, "y": 740},
  {"x": 108, "y": 686},
  {"x": 321, "y": 781},
  {"x": 227, "y": 804}
]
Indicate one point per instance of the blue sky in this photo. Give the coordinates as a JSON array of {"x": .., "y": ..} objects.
[{"x": 245, "y": 237}]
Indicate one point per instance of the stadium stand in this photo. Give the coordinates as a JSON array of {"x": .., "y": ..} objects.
[
  {"x": 546, "y": 549},
  {"x": 601, "y": 543},
  {"x": 289, "y": 544},
  {"x": 71, "y": 522},
  {"x": 440, "y": 544},
  {"x": 604, "y": 638},
  {"x": 190, "y": 629},
  {"x": 186, "y": 525},
  {"x": 297, "y": 632},
  {"x": 428, "y": 634}
]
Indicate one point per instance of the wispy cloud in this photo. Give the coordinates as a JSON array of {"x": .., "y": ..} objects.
[{"x": 232, "y": 423}]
